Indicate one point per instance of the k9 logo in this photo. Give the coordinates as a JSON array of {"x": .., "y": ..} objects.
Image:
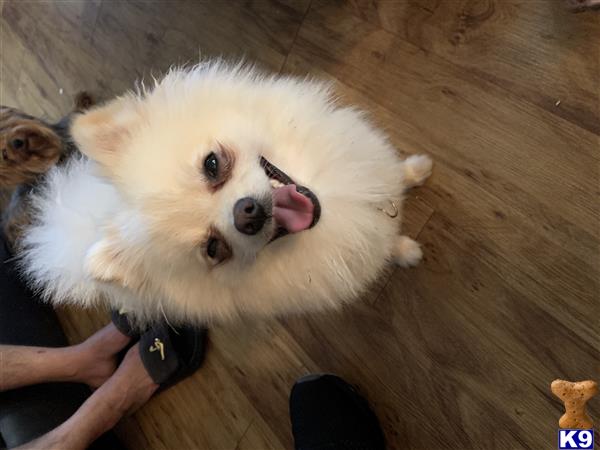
[{"x": 575, "y": 439}]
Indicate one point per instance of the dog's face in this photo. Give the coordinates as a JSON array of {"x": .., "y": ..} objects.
[
  {"x": 28, "y": 148},
  {"x": 223, "y": 199},
  {"x": 207, "y": 191},
  {"x": 240, "y": 190}
]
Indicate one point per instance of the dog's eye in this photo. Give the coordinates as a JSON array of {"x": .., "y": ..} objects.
[
  {"x": 17, "y": 143},
  {"x": 211, "y": 166},
  {"x": 217, "y": 250},
  {"x": 211, "y": 247}
]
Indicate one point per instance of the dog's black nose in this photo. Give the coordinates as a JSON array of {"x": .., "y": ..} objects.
[{"x": 248, "y": 216}]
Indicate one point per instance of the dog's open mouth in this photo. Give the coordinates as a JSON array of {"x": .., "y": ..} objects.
[{"x": 295, "y": 208}]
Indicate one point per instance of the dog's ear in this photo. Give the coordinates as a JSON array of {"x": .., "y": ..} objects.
[
  {"x": 101, "y": 133},
  {"x": 29, "y": 137}
]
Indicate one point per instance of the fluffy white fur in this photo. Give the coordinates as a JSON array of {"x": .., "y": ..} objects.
[{"x": 125, "y": 224}]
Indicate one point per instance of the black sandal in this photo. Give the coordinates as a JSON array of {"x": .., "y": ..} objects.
[
  {"x": 171, "y": 354},
  {"x": 124, "y": 324}
]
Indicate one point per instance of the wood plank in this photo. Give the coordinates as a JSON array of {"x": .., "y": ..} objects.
[
  {"x": 264, "y": 361},
  {"x": 80, "y": 323},
  {"x": 536, "y": 49},
  {"x": 207, "y": 410},
  {"x": 105, "y": 49},
  {"x": 258, "y": 437},
  {"x": 58, "y": 56},
  {"x": 154, "y": 36},
  {"x": 13, "y": 52}
]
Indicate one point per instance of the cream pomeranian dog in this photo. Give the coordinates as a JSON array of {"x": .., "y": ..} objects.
[{"x": 218, "y": 193}]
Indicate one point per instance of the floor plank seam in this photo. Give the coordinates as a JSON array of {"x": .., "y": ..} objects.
[
  {"x": 237, "y": 446},
  {"x": 295, "y": 37},
  {"x": 433, "y": 211},
  {"x": 385, "y": 285},
  {"x": 100, "y": 6},
  {"x": 395, "y": 270}
]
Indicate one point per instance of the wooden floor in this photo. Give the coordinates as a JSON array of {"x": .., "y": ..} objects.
[{"x": 503, "y": 94}]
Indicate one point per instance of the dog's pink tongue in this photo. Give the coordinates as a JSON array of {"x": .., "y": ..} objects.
[{"x": 292, "y": 210}]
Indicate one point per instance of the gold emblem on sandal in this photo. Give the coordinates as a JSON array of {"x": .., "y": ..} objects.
[{"x": 158, "y": 346}]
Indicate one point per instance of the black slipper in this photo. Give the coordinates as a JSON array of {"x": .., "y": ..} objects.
[
  {"x": 171, "y": 354},
  {"x": 123, "y": 323},
  {"x": 328, "y": 413}
]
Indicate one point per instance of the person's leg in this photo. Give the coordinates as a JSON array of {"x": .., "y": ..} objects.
[
  {"x": 166, "y": 356},
  {"x": 129, "y": 388},
  {"x": 90, "y": 362},
  {"x": 163, "y": 356},
  {"x": 326, "y": 412},
  {"x": 29, "y": 412}
]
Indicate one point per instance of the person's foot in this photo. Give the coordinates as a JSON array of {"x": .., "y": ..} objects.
[
  {"x": 96, "y": 357},
  {"x": 326, "y": 412},
  {"x": 131, "y": 385},
  {"x": 124, "y": 392}
]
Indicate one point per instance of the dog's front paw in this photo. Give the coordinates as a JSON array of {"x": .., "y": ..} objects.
[
  {"x": 417, "y": 169},
  {"x": 407, "y": 252}
]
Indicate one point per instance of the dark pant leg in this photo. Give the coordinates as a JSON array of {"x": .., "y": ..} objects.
[{"x": 31, "y": 411}]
